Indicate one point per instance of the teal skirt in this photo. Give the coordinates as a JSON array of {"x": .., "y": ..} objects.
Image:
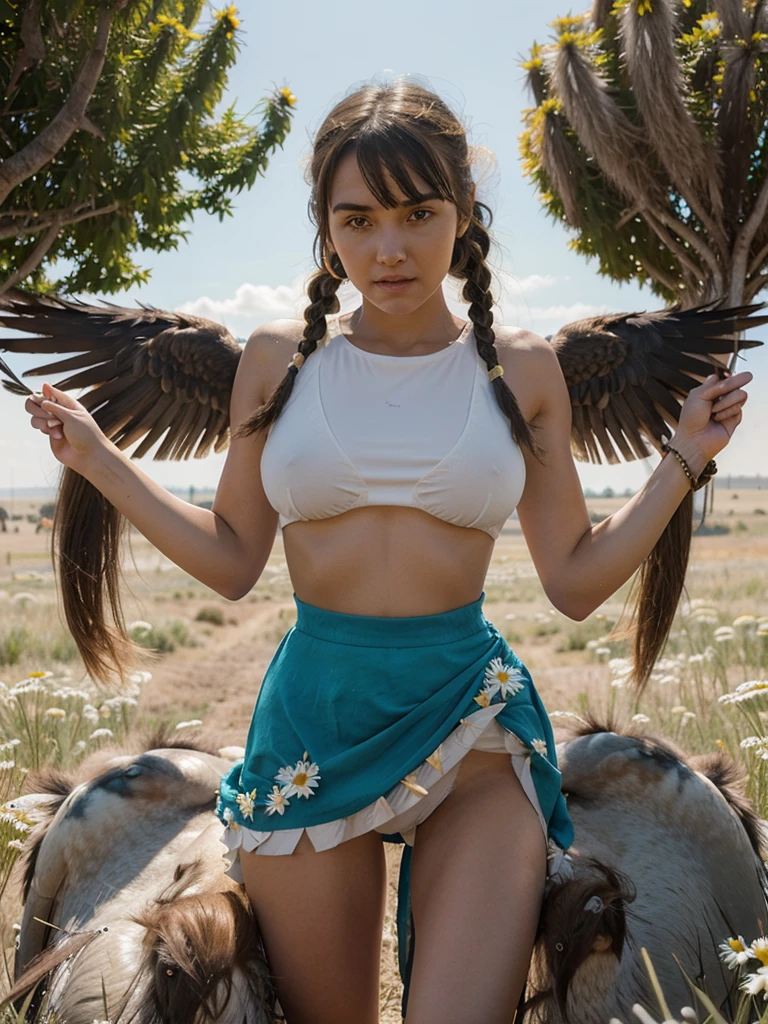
[{"x": 361, "y": 723}]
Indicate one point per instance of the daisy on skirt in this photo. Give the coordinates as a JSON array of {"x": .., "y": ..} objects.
[
  {"x": 540, "y": 747},
  {"x": 484, "y": 697},
  {"x": 300, "y": 779},
  {"x": 245, "y": 802},
  {"x": 276, "y": 801},
  {"x": 499, "y": 676},
  {"x": 230, "y": 818}
]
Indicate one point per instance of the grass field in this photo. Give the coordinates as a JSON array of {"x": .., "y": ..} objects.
[{"x": 215, "y": 652}]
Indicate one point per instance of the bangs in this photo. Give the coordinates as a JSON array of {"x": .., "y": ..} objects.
[{"x": 392, "y": 147}]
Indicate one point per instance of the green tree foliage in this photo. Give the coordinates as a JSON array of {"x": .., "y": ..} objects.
[
  {"x": 648, "y": 140},
  {"x": 108, "y": 142}
]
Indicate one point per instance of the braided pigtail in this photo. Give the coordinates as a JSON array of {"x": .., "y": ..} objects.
[
  {"x": 322, "y": 290},
  {"x": 470, "y": 252}
]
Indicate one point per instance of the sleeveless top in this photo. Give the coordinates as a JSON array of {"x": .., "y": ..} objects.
[{"x": 362, "y": 428}]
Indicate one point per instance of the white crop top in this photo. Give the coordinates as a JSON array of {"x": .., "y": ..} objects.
[{"x": 361, "y": 428}]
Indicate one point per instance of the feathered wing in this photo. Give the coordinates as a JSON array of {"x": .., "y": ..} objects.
[
  {"x": 629, "y": 373},
  {"x": 150, "y": 372}
]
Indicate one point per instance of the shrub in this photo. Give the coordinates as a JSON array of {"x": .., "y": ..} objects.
[{"x": 210, "y": 613}]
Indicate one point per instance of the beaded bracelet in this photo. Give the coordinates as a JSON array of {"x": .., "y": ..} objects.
[{"x": 696, "y": 482}]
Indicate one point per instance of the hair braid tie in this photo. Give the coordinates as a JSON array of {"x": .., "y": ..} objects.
[{"x": 496, "y": 371}]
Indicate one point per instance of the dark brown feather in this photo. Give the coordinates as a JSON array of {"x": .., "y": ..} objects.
[
  {"x": 628, "y": 373},
  {"x": 134, "y": 363}
]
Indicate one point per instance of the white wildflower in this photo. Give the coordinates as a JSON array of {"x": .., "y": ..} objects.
[
  {"x": 189, "y": 724},
  {"x": 139, "y": 626},
  {"x": 734, "y": 952},
  {"x": 98, "y": 733}
]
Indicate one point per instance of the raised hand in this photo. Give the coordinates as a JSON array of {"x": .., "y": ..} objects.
[
  {"x": 712, "y": 411},
  {"x": 74, "y": 435}
]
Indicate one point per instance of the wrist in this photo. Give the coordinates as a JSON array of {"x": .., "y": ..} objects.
[
  {"x": 103, "y": 464},
  {"x": 691, "y": 452}
]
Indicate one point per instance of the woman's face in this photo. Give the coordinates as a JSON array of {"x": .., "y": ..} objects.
[{"x": 414, "y": 241}]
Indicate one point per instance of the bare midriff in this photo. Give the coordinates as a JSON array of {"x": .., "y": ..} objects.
[{"x": 386, "y": 560}]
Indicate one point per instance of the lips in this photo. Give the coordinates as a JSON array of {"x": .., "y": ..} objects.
[{"x": 393, "y": 280}]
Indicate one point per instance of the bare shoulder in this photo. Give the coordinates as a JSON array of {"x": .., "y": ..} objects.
[
  {"x": 268, "y": 351},
  {"x": 530, "y": 362},
  {"x": 518, "y": 339}
]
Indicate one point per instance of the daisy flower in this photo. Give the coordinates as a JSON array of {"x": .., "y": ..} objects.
[
  {"x": 276, "y": 801},
  {"x": 499, "y": 676},
  {"x": 734, "y": 952},
  {"x": 757, "y": 983},
  {"x": 759, "y": 950},
  {"x": 245, "y": 802},
  {"x": 540, "y": 747},
  {"x": 300, "y": 779}
]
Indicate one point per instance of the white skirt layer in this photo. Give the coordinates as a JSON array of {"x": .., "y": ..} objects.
[{"x": 401, "y": 808}]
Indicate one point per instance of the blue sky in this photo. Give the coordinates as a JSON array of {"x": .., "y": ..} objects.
[{"x": 250, "y": 268}]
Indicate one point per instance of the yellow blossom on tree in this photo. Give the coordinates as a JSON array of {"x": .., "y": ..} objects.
[{"x": 288, "y": 96}]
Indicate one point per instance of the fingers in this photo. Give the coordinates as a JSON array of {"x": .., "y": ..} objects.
[
  {"x": 712, "y": 388},
  {"x": 728, "y": 405},
  {"x": 50, "y": 393},
  {"x": 40, "y": 411}
]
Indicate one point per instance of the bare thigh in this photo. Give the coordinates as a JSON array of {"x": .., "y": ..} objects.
[
  {"x": 478, "y": 870},
  {"x": 321, "y": 917}
]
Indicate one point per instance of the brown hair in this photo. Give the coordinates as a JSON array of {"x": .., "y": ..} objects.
[
  {"x": 649, "y": 609},
  {"x": 87, "y": 530},
  {"x": 395, "y": 128},
  {"x": 399, "y": 127}
]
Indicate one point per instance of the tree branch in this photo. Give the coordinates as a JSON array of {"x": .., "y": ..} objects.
[
  {"x": 665, "y": 238},
  {"x": 754, "y": 286},
  {"x": 33, "y": 260},
  {"x": 73, "y": 215},
  {"x": 659, "y": 275},
  {"x": 32, "y": 50},
  {"x": 758, "y": 261},
  {"x": 744, "y": 241},
  {"x": 696, "y": 242},
  {"x": 54, "y": 136}
]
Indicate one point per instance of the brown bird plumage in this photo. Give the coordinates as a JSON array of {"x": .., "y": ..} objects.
[
  {"x": 150, "y": 372},
  {"x": 153, "y": 373},
  {"x": 628, "y": 373}
]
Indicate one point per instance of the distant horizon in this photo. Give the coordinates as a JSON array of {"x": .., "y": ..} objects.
[{"x": 727, "y": 481}]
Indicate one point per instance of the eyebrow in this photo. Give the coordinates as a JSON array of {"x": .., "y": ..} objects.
[{"x": 408, "y": 202}]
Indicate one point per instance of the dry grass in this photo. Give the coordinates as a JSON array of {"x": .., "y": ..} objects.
[{"x": 729, "y": 569}]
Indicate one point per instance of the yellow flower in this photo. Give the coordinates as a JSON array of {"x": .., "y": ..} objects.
[
  {"x": 719, "y": 743},
  {"x": 288, "y": 96},
  {"x": 758, "y": 949},
  {"x": 37, "y": 675}
]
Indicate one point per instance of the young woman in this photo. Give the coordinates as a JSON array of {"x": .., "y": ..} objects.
[{"x": 392, "y": 452}]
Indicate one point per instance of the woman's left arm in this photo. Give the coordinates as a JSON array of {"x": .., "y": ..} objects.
[{"x": 581, "y": 565}]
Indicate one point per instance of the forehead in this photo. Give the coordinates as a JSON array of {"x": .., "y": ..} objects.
[{"x": 349, "y": 184}]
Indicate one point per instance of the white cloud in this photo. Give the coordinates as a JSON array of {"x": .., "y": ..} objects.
[{"x": 258, "y": 303}]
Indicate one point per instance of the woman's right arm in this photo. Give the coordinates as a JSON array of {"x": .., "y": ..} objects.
[{"x": 226, "y": 547}]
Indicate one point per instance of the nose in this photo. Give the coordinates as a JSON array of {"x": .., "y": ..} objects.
[{"x": 391, "y": 249}]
